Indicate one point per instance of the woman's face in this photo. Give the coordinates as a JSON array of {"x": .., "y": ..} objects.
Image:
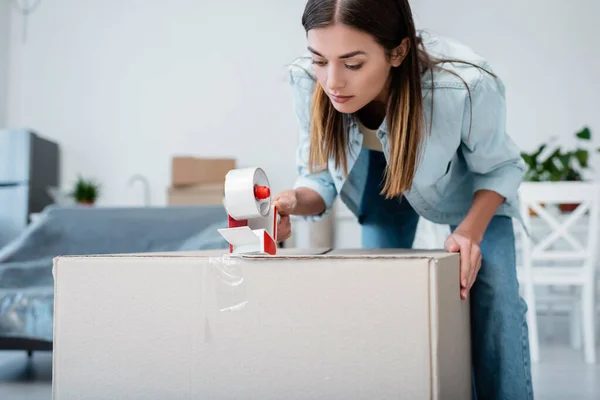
[{"x": 351, "y": 67}]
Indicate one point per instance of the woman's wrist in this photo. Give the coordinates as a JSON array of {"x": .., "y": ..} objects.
[
  {"x": 308, "y": 202},
  {"x": 485, "y": 204}
]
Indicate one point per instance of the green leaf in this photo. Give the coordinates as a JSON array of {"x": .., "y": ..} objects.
[
  {"x": 582, "y": 157},
  {"x": 537, "y": 153},
  {"x": 550, "y": 163},
  {"x": 565, "y": 160},
  {"x": 584, "y": 134},
  {"x": 529, "y": 160}
]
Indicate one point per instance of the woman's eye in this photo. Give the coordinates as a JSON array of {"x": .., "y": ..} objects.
[
  {"x": 354, "y": 67},
  {"x": 319, "y": 63}
]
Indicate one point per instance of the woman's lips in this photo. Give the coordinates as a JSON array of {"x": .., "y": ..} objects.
[{"x": 340, "y": 99}]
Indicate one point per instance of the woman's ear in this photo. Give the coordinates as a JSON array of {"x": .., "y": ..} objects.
[{"x": 400, "y": 52}]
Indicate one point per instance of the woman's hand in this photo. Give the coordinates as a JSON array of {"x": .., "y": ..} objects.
[
  {"x": 286, "y": 203},
  {"x": 470, "y": 258}
]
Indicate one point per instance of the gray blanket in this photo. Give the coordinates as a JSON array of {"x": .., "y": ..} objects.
[{"x": 26, "y": 282}]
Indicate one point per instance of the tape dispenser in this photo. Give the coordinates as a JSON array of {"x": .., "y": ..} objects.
[{"x": 252, "y": 218}]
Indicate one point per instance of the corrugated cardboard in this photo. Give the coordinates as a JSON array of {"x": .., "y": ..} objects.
[
  {"x": 316, "y": 324},
  {"x": 196, "y": 170},
  {"x": 206, "y": 194}
]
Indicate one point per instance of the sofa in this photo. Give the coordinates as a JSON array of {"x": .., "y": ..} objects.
[{"x": 26, "y": 280}]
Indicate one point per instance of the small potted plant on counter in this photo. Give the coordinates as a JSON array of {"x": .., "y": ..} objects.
[{"x": 85, "y": 192}]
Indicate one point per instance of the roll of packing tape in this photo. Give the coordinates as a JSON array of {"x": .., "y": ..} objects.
[{"x": 242, "y": 187}]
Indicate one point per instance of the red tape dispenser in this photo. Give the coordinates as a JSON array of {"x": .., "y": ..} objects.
[{"x": 252, "y": 226}]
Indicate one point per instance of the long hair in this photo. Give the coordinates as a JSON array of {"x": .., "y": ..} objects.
[{"x": 404, "y": 107}]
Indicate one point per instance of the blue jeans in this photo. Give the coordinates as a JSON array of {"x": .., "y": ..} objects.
[{"x": 500, "y": 344}]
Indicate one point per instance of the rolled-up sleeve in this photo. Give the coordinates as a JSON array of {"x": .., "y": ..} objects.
[
  {"x": 321, "y": 182},
  {"x": 490, "y": 153}
]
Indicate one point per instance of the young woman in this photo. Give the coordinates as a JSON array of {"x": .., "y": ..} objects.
[{"x": 404, "y": 124}]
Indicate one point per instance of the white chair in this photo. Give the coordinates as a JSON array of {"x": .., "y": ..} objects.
[{"x": 545, "y": 263}]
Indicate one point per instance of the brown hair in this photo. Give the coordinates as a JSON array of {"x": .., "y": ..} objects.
[{"x": 404, "y": 108}]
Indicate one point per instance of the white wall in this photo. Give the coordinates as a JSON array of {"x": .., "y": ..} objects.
[
  {"x": 124, "y": 85},
  {"x": 544, "y": 50},
  {"x": 4, "y": 30}
]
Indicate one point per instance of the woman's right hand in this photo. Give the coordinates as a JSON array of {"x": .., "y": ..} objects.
[{"x": 286, "y": 203}]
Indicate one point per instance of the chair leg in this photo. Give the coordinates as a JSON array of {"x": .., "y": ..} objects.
[
  {"x": 576, "y": 323},
  {"x": 534, "y": 345},
  {"x": 549, "y": 329},
  {"x": 589, "y": 322}
]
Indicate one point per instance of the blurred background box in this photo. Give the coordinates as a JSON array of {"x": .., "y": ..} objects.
[
  {"x": 187, "y": 170},
  {"x": 203, "y": 194}
]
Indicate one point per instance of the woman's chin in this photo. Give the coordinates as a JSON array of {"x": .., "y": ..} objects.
[{"x": 348, "y": 107}]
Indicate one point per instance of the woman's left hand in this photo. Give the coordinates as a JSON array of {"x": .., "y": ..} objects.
[{"x": 470, "y": 258}]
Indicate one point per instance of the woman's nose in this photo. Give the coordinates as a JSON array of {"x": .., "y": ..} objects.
[{"x": 335, "y": 80}]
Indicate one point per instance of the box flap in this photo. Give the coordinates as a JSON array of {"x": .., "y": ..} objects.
[
  {"x": 356, "y": 253},
  {"x": 400, "y": 253},
  {"x": 295, "y": 253},
  {"x": 291, "y": 252}
]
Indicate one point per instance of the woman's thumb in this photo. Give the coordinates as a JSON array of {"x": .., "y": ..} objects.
[
  {"x": 451, "y": 245},
  {"x": 283, "y": 205},
  {"x": 285, "y": 202}
]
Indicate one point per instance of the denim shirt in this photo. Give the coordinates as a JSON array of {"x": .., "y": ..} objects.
[{"x": 458, "y": 156}]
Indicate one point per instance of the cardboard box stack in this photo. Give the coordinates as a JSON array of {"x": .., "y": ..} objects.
[
  {"x": 313, "y": 324},
  {"x": 198, "y": 181}
]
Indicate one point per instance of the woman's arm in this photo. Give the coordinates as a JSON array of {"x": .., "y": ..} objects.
[
  {"x": 309, "y": 202},
  {"x": 495, "y": 160},
  {"x": 485, "y": 204},
  {"x": 489, "y": 151}
]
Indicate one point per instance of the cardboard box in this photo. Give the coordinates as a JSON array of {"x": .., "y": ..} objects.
[
  {"x": 363, "y": 324},
  {"x": 207, "y": 194},
  {"x": 196, "y": 171}
]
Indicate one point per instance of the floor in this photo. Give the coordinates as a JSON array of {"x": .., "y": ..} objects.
[
  {"x": 561, "y": 375},
  {"x": 22, "y": 378}
]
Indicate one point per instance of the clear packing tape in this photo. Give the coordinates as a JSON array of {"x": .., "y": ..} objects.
[{"x": 229, "y": 285}]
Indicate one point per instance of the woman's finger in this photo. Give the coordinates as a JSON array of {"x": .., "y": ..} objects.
[
  {"x": 465, "y": 267},
  {"x": 475, "y": 264},
  {"x": 284, "y": 228}
]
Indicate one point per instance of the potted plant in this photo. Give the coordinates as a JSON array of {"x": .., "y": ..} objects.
[
  {"x": 560, "y": 165},
  {"x": 85, "y": 192}
]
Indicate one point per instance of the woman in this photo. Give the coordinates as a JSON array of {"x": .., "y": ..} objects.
[{"x": 402, "y": 125}]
